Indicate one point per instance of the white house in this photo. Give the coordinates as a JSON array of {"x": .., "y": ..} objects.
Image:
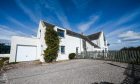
[{"x": 28, "y": 49}]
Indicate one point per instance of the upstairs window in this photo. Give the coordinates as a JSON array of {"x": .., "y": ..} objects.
[{"x": 60, "y": 32}]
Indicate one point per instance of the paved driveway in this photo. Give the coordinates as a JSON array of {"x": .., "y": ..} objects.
[{"x": 82, "y": 71}]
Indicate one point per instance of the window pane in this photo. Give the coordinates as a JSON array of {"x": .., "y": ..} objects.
[
  {"x": 60, "y": 32},
  {"x": 62, "y": 49}
]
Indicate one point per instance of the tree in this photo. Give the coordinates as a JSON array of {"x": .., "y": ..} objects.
[
  {"x": 52, "y": 42},
  {"x": 130, "y": 48}
]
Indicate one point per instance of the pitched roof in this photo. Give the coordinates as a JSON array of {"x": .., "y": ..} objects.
[
  {"x": 94, "y": 36},
  {"x": 71, "y": 33},
  {"x": 46, "y": 24}
]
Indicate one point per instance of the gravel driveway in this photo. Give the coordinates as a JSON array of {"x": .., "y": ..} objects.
[{"x": 81, "y": 71}]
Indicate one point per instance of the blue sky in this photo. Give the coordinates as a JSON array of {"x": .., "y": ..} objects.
[{"x": 119, "y": 19}]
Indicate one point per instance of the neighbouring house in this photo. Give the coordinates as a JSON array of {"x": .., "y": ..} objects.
[{"x": 28, "y": 49}]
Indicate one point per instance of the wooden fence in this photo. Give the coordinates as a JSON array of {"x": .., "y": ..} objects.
[{"x": 118, "y": 56}]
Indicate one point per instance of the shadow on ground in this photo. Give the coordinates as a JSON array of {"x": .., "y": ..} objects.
[
  {"x": 102, "y": 83},
  {"x": 132, "y": 73}
]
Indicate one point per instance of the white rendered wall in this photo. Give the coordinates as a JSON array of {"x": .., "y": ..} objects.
[
  {"x": 69, "y": 42},
  {"x": 17, "y": 40},
  {"x": 89, "y": 47},
  {"x": 102, "y": 42},
  {"x": 41, "y": 36}
]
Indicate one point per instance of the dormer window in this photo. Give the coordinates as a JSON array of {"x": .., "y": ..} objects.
[{"x": 60, "y": 32}]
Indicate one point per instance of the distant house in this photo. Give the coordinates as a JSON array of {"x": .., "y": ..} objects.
[{"x": 28, "y": 49}]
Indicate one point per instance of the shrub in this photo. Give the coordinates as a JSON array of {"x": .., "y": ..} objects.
[
  {"x": 72, "y": 55},
  {"x": 52, "y": 42},
  {"x": 3, "y": 60},
  {"x": 1, "y": 63}
]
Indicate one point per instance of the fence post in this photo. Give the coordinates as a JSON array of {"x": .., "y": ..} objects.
[
  {"x": 132, "y": 56},
  {"x": 138, "y": 56},
  {"x": 135, "y": 57},
  {"x": 115, "y": 55},
  {"x": 110, "y": 55},
  {"x": 125, "y": 56},
  {"x": 129, "y": 56},
  {"x": 122, "y": 54},
  {"x": 118, "y": 56}
]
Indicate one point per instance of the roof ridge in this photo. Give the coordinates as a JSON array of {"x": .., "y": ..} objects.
[{"x": 95, "y": 33}]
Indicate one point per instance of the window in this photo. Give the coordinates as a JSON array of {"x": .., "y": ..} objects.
[
  {"x": 60, "y": 32},
  {"x": 62, "y": 49}
]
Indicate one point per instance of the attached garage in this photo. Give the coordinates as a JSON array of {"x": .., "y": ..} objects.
[
  {"x": 26, "y": 53},
  {"x": 25, "y": 49}
]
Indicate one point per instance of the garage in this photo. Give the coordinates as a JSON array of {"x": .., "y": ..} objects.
[{"x": 26, "y": 53}]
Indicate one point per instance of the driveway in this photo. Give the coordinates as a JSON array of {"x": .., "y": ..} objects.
[{"x": 81, "y": 71}]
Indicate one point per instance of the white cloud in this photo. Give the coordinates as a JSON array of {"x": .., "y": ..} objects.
[
  {"x": 120, "y": 30},
  {"x": 80, "y": 4},
  {"x": 28, "y": 11},
  {"x": 118, "y": 41},
  {"x": 126, "y": 18},
  {"x": 16, "y": 22},
  {"x": 130, "y": 36},
  {"x": 7, "y": 33},
  {"x": 63, "y": 19},
  {"x": 87, "y": 24},
  {"x": 115, "y": 27},
  {"x": 17, "y": 25},
  {"x": 57, "y": 9},
  {"x": 102, "y": 26},
  {"x": 118, "y": 23}
]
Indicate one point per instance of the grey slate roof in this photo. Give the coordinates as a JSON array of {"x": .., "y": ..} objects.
[
  {"x": 46, "y": 24},
  {"x": 94, "y": 36}
]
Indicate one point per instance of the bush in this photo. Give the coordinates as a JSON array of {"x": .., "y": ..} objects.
[
  {"x": 52, "y": 42},
  {"x": 72, "y": 55},
  {"x": 1, "y": 63},
  {"x": 5, "y": 58},
  {"x": 2, "y": 60}
]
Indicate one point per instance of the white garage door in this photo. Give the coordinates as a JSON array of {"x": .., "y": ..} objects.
[{"x": 26, "y": 53}]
